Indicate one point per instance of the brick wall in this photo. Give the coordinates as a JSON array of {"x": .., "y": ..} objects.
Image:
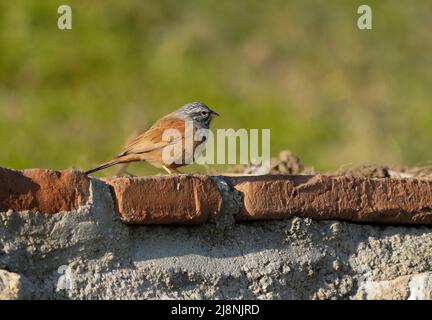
[{"x": 194, "y": 199}]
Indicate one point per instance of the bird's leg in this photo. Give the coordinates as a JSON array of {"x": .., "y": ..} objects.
[
  {"x": 177, "y": 171},
  {"x": 167, "y": 170},
  {"x": 129, "y": 174},
  {"x": 171, "y": 171}
]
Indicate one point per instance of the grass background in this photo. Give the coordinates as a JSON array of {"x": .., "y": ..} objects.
[{"x": 329, "y": 92}]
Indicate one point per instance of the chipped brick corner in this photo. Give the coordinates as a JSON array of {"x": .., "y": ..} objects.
[{"x": 41, "y": 190}]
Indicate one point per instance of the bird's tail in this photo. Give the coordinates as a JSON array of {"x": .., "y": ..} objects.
[{"x": 107, "y": 164}]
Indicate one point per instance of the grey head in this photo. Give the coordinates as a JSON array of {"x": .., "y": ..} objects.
[{"x": 197, "y": 112}]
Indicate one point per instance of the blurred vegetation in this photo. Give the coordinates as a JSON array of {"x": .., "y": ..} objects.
[{"x": 329, "y": 92}]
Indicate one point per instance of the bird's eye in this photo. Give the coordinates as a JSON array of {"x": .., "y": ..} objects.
[{"x": 204, "y": 113}]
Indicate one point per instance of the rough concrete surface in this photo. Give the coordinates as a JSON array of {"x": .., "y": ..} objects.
[{"x": 90, "y": 254}]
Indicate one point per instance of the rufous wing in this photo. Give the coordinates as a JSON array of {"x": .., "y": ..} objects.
[{"x": 152, "y": 139}]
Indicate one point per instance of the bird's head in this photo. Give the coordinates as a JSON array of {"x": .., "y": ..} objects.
[{"x": 197, "y": 112}]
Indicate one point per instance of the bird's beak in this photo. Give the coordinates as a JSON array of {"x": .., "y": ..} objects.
[{"x": 215, "y": 114}]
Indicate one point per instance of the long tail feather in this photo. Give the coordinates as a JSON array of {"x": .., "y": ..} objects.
[{"x": 105, "y": 165}]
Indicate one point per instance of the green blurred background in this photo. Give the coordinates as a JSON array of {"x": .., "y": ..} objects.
[{"x": 331, "y": 93}]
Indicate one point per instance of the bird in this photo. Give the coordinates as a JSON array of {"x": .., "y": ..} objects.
[{"x": 150, "y": 145}]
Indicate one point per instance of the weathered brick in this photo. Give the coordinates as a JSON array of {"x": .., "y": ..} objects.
[
  {"x": 193, "y": 199},
  {"x": 179, "y": 199},
  {"x": 347, "y": 198},
  {"x": 40, "y": 190}
]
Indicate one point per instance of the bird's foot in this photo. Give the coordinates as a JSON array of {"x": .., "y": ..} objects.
[{"x": 171, "y": 171}]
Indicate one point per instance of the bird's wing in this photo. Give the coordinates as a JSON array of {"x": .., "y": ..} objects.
[{"x": 152, "y": 138}]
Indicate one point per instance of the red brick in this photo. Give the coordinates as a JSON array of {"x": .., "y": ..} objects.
[
  {"x": 40, "y": 190},
  {"x": 179, "y": 199},
  {"x": 342, "y": 198}
]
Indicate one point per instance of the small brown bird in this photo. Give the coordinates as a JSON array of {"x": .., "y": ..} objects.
[{"x": 149, "y": 146}]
